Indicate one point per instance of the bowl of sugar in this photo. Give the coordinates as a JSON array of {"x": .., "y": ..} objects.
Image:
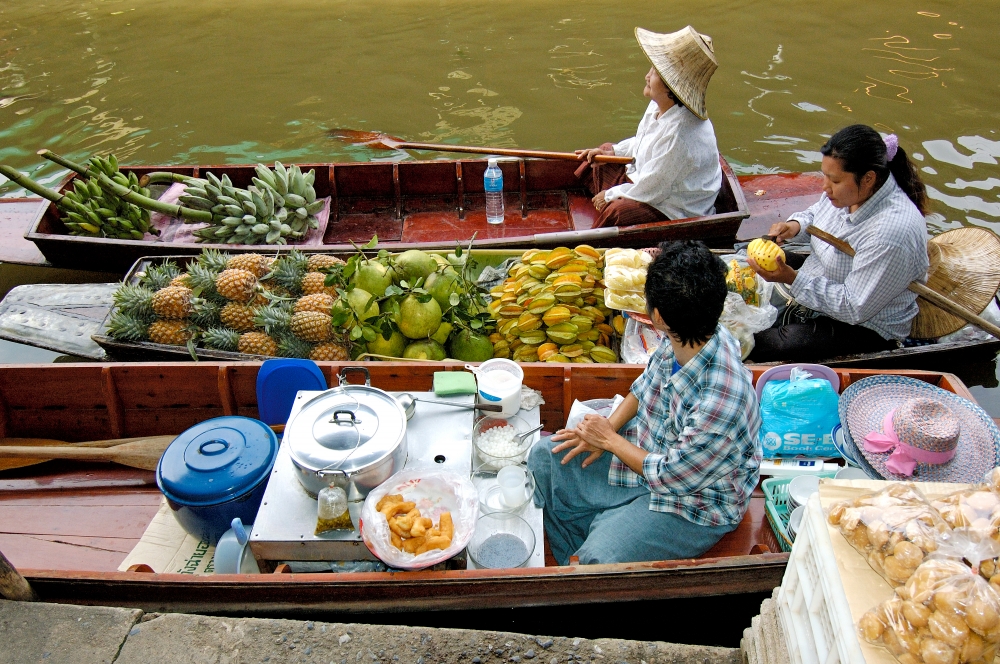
[{"x": 498, "y": 441}]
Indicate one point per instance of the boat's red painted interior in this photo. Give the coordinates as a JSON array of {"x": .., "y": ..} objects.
[
  {"x": 424, "y": 202},
  {"x": 88, "y": 516}
]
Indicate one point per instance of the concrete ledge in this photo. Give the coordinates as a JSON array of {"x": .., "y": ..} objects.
[{"x": 35, "y": 632}]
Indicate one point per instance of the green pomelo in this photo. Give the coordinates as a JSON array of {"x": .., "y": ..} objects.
[
  {"x": 373, "y": 277},
  {"x": 441, "y": 336},
  {"x": 469, "y": 346},
  {"x": 413, "y": 264},
  {"x": 418, "y": 320},
  {"x": 441, "y": 285},
  {"x": 357, "y": 298},
  {"x": 393, "y": 346},
  {"x": 426, "y": 349},
  {"x": 441, "y": 260}
]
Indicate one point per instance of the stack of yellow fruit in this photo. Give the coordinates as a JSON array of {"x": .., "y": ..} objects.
[{"x": 551, "y": 308}]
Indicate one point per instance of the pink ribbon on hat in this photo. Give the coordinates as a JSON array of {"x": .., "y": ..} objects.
[
  {"x": 904, "y": 458},
  {"x": 891, "y": 145}
]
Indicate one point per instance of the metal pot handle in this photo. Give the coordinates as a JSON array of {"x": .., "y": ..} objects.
[
  {"x": 322, "y": 472},
  {"x": 345, "y": 370}
]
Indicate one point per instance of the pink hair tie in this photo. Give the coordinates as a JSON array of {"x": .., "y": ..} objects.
[{"x": 891, "y": 145}]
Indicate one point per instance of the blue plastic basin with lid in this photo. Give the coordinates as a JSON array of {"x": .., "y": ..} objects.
[{"x": 216, "y": 471}]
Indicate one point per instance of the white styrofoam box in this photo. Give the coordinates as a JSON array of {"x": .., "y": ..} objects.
[{"x": 812, "y": 604}]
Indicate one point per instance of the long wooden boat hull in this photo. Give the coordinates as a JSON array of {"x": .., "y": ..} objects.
[
  {"x": 68, "y": 527},
  {"x": 421, "y": 205}
]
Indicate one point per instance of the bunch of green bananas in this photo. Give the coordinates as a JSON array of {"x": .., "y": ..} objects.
[
  {"x": 281, "y": 205},
  {"x": 98, "y": 213}
]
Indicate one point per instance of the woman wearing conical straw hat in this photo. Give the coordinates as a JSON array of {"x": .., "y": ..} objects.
[{"x": 676, "y": 173}]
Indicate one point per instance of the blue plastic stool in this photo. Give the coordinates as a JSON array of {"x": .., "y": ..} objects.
[{"x": 278, "y": 381}]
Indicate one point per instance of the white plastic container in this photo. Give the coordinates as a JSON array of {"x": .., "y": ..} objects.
[
  {"x": 812, "y": 604},
  {"x": 499, "y": 381}
]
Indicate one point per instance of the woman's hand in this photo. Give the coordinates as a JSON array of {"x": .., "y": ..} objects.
[
  {"x": 599, "y": 201},
  {"x": 571, "y": 440},
  {"x": 782, "y": 274},
  {"x": 598, "y": 432},
  {"x": 589, "y": 155},
  {"x": 783, "y": 231}
]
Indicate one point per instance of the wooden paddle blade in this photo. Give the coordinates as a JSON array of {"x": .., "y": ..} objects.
[{"x": 369, "y": 139}]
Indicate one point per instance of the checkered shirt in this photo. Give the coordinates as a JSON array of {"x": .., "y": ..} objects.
[
  {"x": 889, "y": 237},
  {"x": 700, "y": 427}
]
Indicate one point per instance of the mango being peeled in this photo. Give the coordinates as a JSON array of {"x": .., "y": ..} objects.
[{"x": 765, "y": 253}]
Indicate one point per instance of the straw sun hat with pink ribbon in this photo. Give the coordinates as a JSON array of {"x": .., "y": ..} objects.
[{"x": 908, "y": 429}]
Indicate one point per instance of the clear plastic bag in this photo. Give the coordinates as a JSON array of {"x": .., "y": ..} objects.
[
  {"x": 742, "y": 320},
  {"x": 944, "y": 614},
  {"x": 640, "y": 341},
  {"x": 625, "y": 301},
  {"x": 977, "y": 510},
  {"x": 895, "y": 529},
  {"x": 621, "y": 279},
  {"x": 632, "y": 258},
  {"x": 434, "y": 492}
]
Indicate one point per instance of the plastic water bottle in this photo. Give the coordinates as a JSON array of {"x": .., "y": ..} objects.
[{"x": 493, "y": 183}]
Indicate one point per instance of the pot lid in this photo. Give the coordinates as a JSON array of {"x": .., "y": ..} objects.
[
  {"x": 347, "y": 428},
  {"x": 217, "y": 460}
]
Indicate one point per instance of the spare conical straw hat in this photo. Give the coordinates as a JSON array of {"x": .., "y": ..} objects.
[
  {"x": 965, "y": 268},
  {"x": 685, "y": 61}
]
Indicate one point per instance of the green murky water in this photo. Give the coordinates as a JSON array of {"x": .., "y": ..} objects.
[{"x": 178, "y": 81}]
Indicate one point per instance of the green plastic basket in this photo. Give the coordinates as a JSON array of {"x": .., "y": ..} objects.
[{"x": 776, "y": 507}]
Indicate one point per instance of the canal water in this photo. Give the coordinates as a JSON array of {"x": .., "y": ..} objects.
[{"x": 178, "y": 81}]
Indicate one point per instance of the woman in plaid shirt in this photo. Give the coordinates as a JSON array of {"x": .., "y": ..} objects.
[{"x": 684, "y": 450}]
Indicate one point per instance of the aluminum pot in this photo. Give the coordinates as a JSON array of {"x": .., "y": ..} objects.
[{"x": 352, "y": 436}]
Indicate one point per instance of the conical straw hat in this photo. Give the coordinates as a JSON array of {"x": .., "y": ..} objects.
[
  {"x": 965, "y": 268},
  {"x": 685, "y": 61}
]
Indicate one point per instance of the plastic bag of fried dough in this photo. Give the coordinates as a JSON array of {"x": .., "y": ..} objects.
[
  {"x": 944, "y": 614},
  {"x": 978, "y": 510},
  {"x": 894, "y": 529}
]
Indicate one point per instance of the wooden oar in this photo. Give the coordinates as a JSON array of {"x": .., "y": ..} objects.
[
  {"x": 385, "y": 142},
  {"x": 40, "y": 449},
  {"x": 932, "y": 296},
  {"x": 144, "y": 453}
]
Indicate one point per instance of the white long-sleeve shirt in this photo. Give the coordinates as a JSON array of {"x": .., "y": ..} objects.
[
  {"x": 889, "y": 237},
  {"x": 676, "y": 168}
]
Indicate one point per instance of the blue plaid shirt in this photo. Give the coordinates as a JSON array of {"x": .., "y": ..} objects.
[{"x": 700, "y": 428}]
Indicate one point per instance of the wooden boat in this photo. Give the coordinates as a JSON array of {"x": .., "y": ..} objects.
[
  {"x": 422, "y": 205},
  {"x": 67, "y": 527}
]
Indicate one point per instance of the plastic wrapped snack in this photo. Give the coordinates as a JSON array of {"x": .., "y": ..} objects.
[
  {"x": 895, "y": 529},
  {"x": 625, "y": 301},
  {"x": 977, "y": 509},
  {"x": 944, "y": 614},
  {"x": 619, "y": 278},
  {"x": 632, "y": 258}
]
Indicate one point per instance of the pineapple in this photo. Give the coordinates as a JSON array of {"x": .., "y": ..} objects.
[
  {"x": 320, "y": 302},
  {"x": 329, "y": 352},
  {"x": 275, "y": 318},
  {"x": 238, "y": 316},
  {"x": 236, "y": 285},
  {"x": 257, "y": 343},
  {"x": 221, "y": 338},
  {"x": 179, "y": 280},
  {"x": 256, "y": 264},
  {"x": 204, "y": 313},
  {"x": 160, "y": 276},
  {"x": 312, "y": 326},
  {"x": 214, "y": 260},
  {"x": 136, "y": 301},
  {"x": 173, "y": 332},
  {"x": 315, "y": 282},
  {"x": 202, "y": 279},
  {"x": 319, "y": 262},
  {"x": 172, "y": 302},
  {"x": 125, "y": 327},
  {"x": 292, "y": 346},
  {"x": 287, "y": 272}
]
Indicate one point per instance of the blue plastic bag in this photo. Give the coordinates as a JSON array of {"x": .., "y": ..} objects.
[{"x": 798, "y": 416}]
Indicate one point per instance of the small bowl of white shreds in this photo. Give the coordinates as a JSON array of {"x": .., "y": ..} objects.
[{"x": 497, "y": 441}]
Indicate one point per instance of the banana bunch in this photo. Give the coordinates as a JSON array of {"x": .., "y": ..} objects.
[
  {"x": 551, "y": 308},
  {"x": 280, "y": 206},
  {"x": 97, "y": 213}
]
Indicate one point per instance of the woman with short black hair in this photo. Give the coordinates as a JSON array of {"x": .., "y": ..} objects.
[
  {"x": 683, "y": 446},
  {"x": 874, "y": 200}
]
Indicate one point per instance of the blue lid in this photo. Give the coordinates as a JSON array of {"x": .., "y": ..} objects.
[
  {"x": 278, "y": 381},
  {"x": 216, "y": 461}
]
